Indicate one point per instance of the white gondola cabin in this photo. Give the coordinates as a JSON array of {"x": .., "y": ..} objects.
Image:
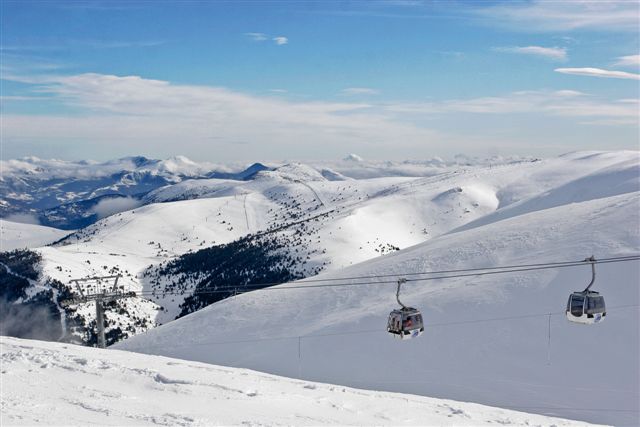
[
  {"x": 586, "y": 307},
  {"x": 405, "y": 322}
]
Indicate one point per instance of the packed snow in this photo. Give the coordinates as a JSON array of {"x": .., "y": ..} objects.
[{"x": 57, "y": 384}]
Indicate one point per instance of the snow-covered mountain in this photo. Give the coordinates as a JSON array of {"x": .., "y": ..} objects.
[
  {"x": 208, "y": 233},
  {"x": 320, "y": 224},
  {"x": 60, "y": 384},
  {"x": 500, "y": 339},
  {"x": 298, "y": 219},
  {"x": 70, "y": 195}
]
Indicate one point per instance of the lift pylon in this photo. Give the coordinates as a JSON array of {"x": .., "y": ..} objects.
[{"x": 102, "y": 290}]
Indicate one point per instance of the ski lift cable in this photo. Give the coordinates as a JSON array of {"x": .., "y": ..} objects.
[
  {"x": 480, "y": 271},
  {"x": 494, "y": 270},
  {"x": 258, "y": 287},
  {"x": 559, "y": 264},
  {"x": 471, "y": 273},
  {"x": 369, "y": 331}
]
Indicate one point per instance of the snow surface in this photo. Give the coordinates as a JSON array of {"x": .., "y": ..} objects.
[
  {"x": 15, "y": 235},
  {"x": 497, "y": 340},
  {"x": 56, "y": 384}
]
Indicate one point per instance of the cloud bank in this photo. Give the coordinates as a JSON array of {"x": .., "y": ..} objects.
[
  {"x": 258, "y": 37},
  {"x": 359, "y": 91},
  {"x": 261, "y": 37},
  {"x": 115, "y": 113},
  {"x": 598, "y": 72},
  {"x": 628, "y": 61},
  {"x": 110, "y": 206},
  {"x": 280, "y": 40},
  {"x": 563, "y": 103},
  {"x": 23, "y": 218},
  {"x": 111, "y": 116},
  {"x": 556, "y": 53},
  {"x": 551, "y": 16}
]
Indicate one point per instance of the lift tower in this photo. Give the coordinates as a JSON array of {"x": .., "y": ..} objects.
[{"x": 102, "y": 290}]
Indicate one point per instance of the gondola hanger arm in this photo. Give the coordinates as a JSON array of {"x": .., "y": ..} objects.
[
  {"x": 591, "y": 260},
  {"x": 400, "y": 282}
]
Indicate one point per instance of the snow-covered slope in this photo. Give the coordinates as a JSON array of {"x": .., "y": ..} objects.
[
  {"x": 351, "y": 221},
  {"x": 15, "y": 235},
  {"x": 365, "y": 218},
  {"x": 499, "y": 340},
  {"x": 55, "y": 384}
]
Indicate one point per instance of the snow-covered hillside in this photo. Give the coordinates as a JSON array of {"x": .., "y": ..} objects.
[
  {"x": 57, "y": 384},
  {"x": 74, "y": 194},
  {"x": 500, "y": 340},
  {"x": 364, "y": 218},
  {"x": 321, "y": 224},
  {"x": 15, "y": 235}
]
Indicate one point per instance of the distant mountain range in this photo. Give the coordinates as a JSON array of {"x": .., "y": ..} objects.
[{"x": 71, "y": 195}]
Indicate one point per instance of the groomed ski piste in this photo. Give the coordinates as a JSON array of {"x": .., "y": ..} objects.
[
  {"x": 499, "y": 340},
  {"x": 47, "y": 383}
]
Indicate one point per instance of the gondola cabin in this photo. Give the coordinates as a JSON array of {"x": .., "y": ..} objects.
[
  {"x": 405, "y": 323},
  {"x": 586, "y": 307}
]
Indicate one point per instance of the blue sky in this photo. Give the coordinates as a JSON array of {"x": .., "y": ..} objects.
[{"x": 227, "y": 81}]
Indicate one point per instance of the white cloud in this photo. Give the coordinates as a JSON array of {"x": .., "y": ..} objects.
[
  {"x": 280, "y": 40},
  {"x": 132, "y": 114},
  {"x": 353, "y": 158},
  {"x": 567, "y": 93},
  {"x": 598, "y": 72},
  {"x": 23, "y": 218},
  {"x": 114, "y": 205},
  {"x": 541, "y": 15},
  {"x": 115, "y": 116},
  {"x": 628, "y": 61},
  {"x": 557, "y": 53},
  {"x": 611, "y": 122},
  {"x": 5, "y": 98},
  {"x": 258, "y": 37},
  {"x": 359, "y": 91},
  {"x": 564, "y": 103}
]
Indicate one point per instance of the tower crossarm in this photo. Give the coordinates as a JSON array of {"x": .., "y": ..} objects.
[{"x": 104, "y": 297}]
